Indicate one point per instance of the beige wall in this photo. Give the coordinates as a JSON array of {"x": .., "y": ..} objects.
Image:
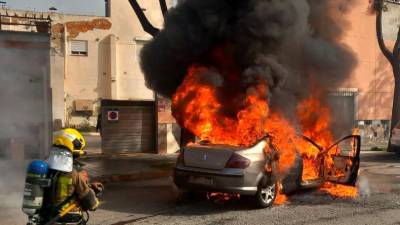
[
  {"x": 130, "y": 39},
  {"x": 73, "y": 77},
  {"x": 111, "y": 69},
  {"x": 79, "y": 77},
  {"x": 56, "y": 58},
  {"x": 391, "y": 19},
  {"x": 57, "y": 79}
]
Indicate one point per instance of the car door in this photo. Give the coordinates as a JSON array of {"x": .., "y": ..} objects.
[{"x": 343, "y": 166}]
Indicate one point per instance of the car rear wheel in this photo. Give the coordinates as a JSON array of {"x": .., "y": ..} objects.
[{"x": 266, "y": 195}]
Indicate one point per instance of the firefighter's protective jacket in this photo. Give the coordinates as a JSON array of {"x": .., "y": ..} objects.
[{"x": 75, "y": 183}]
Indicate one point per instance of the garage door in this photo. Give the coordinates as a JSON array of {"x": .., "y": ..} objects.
[{"x": 128, "y": 126}]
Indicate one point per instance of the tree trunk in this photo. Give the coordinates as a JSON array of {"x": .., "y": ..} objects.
[
  {"x": 396, "y": 106},
  {"x": 396, "y": 97},
  {"x": 164, "y": 7},
  {"x": 147, "y": 26},
  {"x": 393, "y": 58}
]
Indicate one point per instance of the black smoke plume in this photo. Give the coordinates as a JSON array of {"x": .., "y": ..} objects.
[{"x": 291, "y": 44}]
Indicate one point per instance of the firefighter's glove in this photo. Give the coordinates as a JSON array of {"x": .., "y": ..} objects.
[
  {"x": 89, "y": 201},
  {"x": 98, "y": 188}
]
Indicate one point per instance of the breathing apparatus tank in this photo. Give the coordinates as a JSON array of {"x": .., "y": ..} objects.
[{"x": 35, "y": 182}]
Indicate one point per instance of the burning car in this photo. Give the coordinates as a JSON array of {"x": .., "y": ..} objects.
[{"x": 252, "y": 171}]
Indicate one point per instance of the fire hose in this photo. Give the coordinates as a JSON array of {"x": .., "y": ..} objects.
[{"x": 63, "y": 213}]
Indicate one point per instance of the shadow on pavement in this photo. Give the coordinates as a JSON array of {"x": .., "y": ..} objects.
[
  {"x": 381, "y": 157},
  {"x": 146, "y": 199}
]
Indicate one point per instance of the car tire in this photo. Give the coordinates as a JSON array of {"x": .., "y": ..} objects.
[{"x": 265, "y": 195}]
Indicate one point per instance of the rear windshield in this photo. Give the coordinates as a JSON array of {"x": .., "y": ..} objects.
[
  {"x": 207, "y": 144},
  {"x": 216, "y": 146}
]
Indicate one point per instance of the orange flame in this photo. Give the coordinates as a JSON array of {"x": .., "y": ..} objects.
[
  {"x": 339, "y": 190},
  {"x": 221, "y": 198},
  {"x": 195, "y": 105},
  {"x": 314, "y": 118},
  {"x": 280, "y": 197}
]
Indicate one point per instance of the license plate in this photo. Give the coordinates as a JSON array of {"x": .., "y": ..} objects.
[{"x": 201, "y": 180}]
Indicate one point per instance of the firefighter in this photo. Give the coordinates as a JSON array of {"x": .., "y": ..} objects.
[{"x": 69, "y": 180}]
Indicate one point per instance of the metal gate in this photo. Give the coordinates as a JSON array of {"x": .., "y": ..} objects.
[{"x": 128, "y": 126}]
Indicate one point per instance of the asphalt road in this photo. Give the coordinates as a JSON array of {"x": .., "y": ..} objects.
[{"x": 155, "y": 202}]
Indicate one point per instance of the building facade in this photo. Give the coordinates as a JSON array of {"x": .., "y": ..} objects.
[{"x": 95, "y": 59}]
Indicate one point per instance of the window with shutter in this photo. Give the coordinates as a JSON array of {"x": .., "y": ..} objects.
[{"x": 79, "y": 48}]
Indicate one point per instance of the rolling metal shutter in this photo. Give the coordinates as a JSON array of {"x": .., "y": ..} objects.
[
  {"x": 343, "y": 114},
  {"x": 128, "y": 126}
]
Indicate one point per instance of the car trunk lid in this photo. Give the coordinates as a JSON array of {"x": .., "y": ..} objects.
[{"x": 208, "y": 156}]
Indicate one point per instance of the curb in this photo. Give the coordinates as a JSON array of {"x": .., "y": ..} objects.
[
  {"x": 128, "y": 155},
  {"x": 112, "y": 155},
  {"x": 113, "y": 178},
  {"x": 90, "y": 133}
]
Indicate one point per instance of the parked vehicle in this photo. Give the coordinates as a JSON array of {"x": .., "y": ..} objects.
[{"x": 206, "y": 167}]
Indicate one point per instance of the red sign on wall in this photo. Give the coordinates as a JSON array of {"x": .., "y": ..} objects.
[{"x": 113, "y": 115}]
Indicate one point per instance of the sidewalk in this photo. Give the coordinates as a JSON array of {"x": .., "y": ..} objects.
[
  {"x": 367, "y": 145},
  {"x": 125, "y": 166},
  {"x": 128, "y": 167},
  {"x": 93, "y": 143},
  {"x": 139, "y": 166}
]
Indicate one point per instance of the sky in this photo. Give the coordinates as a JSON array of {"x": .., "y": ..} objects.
[{"x": 81, "y": 7}]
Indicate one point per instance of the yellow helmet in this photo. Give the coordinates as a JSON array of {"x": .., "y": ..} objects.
[{"x": 71, "y": 139}]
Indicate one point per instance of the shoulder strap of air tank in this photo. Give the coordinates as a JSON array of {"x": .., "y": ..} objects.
[
  {"x": 54, "y": 179},
  {"x": 48, "y": 210}
]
